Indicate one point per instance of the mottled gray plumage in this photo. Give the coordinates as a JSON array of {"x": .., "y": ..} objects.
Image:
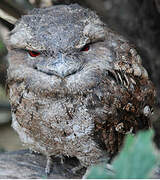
[{"x": 81, "y": 91}]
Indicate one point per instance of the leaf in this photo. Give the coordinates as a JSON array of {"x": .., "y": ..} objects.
[
  {"x": 2, "y": 48},
  {"x": 136, "y": 159},
  {"x": 98, "y": 172},
  {"x": 1, "y": 45}
]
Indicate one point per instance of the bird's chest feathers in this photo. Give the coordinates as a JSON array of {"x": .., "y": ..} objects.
[{"x": 50, "y": 122}]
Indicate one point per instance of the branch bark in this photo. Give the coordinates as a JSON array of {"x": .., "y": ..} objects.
[{"x": 23, "y": 164}]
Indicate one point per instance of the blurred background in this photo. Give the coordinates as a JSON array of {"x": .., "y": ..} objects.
[{"x": 138, "y": 21}]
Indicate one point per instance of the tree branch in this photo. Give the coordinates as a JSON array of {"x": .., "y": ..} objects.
[{"x": 23, "y": 164}]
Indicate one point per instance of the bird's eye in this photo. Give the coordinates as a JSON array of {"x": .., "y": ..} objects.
[
  {"x": 33, "y": 53},
  {"x": 86, "y": 48}
]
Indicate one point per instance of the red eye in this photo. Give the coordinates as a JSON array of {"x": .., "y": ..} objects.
[
  {"x": 86, "y": 48},
  {"x": 33, "y": 53}
]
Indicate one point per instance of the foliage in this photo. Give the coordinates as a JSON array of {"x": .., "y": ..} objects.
[
  {"x": 2, "y": 94},
  {"x": 2, "y": 47},
  {"x": 136, "y": 160},
  {"x": 2, "y": 150}
]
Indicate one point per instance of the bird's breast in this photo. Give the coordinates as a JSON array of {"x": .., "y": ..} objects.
[{"x": 50, "y": 125}]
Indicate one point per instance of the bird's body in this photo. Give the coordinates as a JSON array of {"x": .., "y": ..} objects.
[{"x": 76, "y": 87}]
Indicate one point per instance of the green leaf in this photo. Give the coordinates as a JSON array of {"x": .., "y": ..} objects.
[
  {"x": 98, "y": 172},
  {"x": 2, "y": 150},
  {"x": 2, "y": 47},
  {"x": 137, "y": 158}
]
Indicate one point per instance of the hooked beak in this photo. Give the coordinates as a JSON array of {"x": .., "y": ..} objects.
[{"x": 61, "y": 66}]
